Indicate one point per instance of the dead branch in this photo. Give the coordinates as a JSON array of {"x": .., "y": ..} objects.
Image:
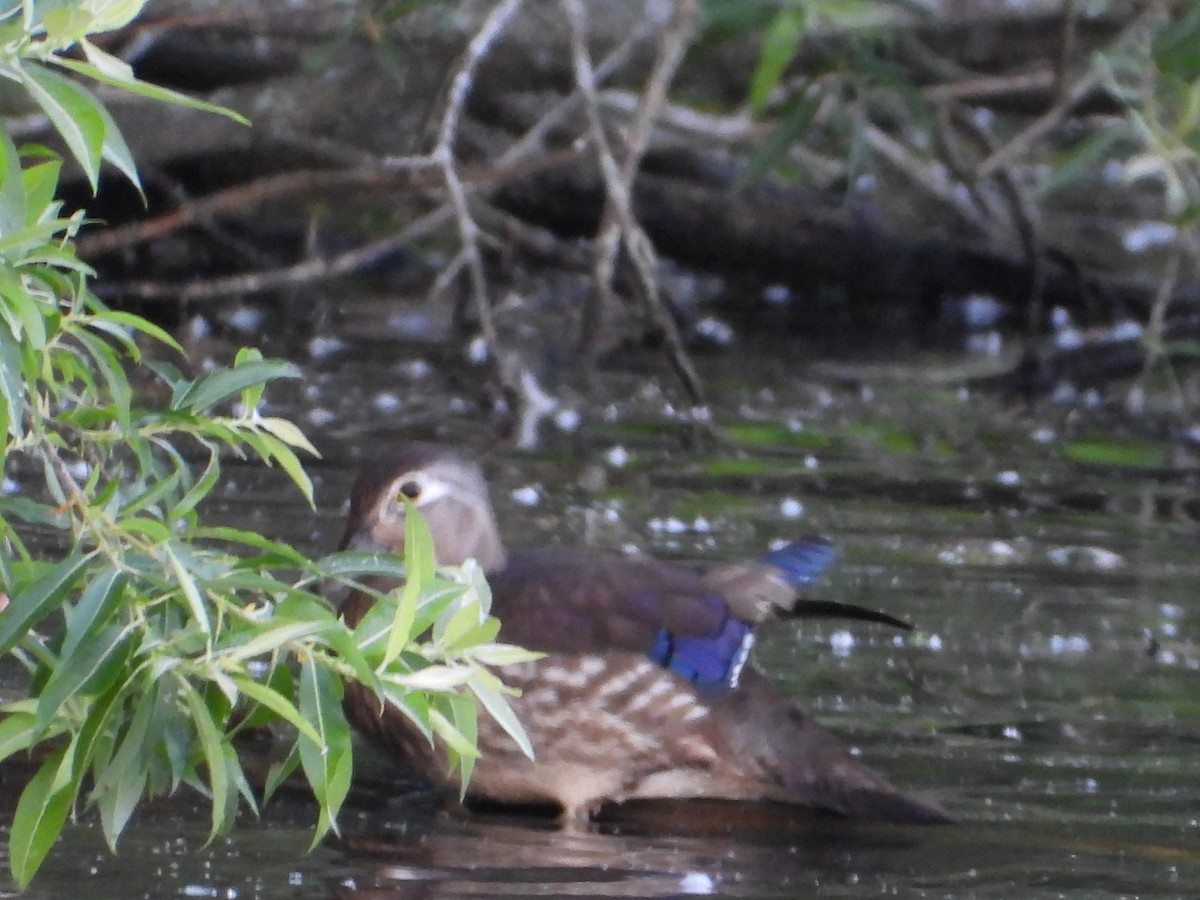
[
  {"x": 309, "y": 271},
  {"x": 1070, "y": 98},
  {"x": 619, "y": 225}
]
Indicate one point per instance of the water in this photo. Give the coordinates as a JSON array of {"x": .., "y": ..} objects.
[{"x": 1049, "y": 696}]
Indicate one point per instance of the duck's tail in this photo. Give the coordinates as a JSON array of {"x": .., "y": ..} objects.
[{"x": 808, "y": 764}]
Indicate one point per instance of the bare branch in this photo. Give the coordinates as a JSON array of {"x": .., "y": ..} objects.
[
  {"x": 1071, "y": 97},
  {"x": 301, "y": 273},
  {"x": 564, "y": 107},
  {"x": 443, "y": 156},
  {"x": 619, "y": 226}
]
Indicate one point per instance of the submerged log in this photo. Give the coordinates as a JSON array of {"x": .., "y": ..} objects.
[{"x": 801, "y": 238}]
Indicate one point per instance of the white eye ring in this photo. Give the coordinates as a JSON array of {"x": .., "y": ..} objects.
[{"x": 420, "y": 489}]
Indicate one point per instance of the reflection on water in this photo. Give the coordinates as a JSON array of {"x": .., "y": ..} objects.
[
  {"x": 1048, "y": 697},
  {"x": 655, "y": 850},
  {"x": 1042, "y": 846}
]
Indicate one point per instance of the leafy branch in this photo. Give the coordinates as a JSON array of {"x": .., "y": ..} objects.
[{"x": 152, "y": 642}]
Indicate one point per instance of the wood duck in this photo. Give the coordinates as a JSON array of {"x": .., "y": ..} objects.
[{"x": 644, "y": 691}]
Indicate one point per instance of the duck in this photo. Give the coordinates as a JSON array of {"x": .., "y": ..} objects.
[{"x": 645, "y": 689}]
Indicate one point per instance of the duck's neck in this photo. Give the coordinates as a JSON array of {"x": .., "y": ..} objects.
[{"x": 472, "y": 535}]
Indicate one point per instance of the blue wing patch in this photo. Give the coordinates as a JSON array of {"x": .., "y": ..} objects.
[
  {"x": 715, "y": 661},
  {"x": 802, "y": 562},
  {"x": 708, "y": 662}
]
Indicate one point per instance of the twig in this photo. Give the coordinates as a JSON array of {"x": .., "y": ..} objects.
[
  {"x": 925, "y": 176},
  {"x": 224, "y": 201},
  {"x": 443, "y": 157},
  {"x": 990, "y": 88},
  {"x": 372, "y": 173},
  {"x": 302, "y": 273},
  {"x": 619, "y": 225},
  {"x": 446, "y": 277},
  {"x": 1025, "y": 218},
  {"x": 1071, "y": 97},
  {"x": 1070, "y": 37},
  {"x": 564, "y": 107},
  {"x": 536, "y": 242}
]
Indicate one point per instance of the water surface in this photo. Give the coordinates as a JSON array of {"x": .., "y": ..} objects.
[{"x": 1050, "y": 696}]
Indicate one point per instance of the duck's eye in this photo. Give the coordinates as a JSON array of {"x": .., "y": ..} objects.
[{"x": 411, "y": 490}]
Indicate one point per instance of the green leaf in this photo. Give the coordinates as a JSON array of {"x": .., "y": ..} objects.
[
  {"x": 271, "y": 449},
  {"x": 459, "y": 736},
  {"x": 31, "y": 605},
  {"x": 64, "y": 25},
  {"x": 116, "y": 152},
  {"x": 490, "y": 691},
  {"x": 278, "y": 704},
  {"x": 327, "y": 763},
  {"x": 31, "y": 512},
  {"x": 280, "y": 772},
  {"x": 119, "y": 337},
  {"x": 198, "y": 491},
  {"x": 109, "y": 367},
  {"x": 153, "y": 529},
  {"x": 94, "y": 730},
  {"x": 34, "y": 237},
  {"x": 466, "y": 718},
  {"x": 503, "y": 654},
  {"x": 212, "y": 745},
  {"x": 252, "y": 395},
  {"x": 31, "y": 315},
  {"x": 41, "y": 188},
  {"x": 287, "y": 432},
  {"x": 96, "y": 603},
  {"x": 280, "y": 681},
  {"x": 237, "y": 776},
  {"x": 224, "y": 384},
  {"x": 40, "y": 816},
  {"x": 137, "y": 323},
  {"x": 420, "y": 562},
  {"x": 270, "y": 639},
  {"x": 12, "y": 384},
  {"x": 780, "y": 44},
  {"x": 793, "y": 123},
  {"x": 12, "y": 186},
  {"x": 346, "y": 564},
  {"x": 74, "y": 673},
  {"x": 440, "y": 679},
  {"x": 1176, "y": 46},
  {"x": 76, "y": 115},
  {"x": 120, "y": 785},
  {"x": 449, "y": 732},
  {"x": 436, "y": 600},
  {"x": 111, "y": 66},
  {"x": 251, "y": 539},
  {"x": 127, "y": 793},
  {"x": 413, "y": 705},
  {"x": 16, "y": 733},
  {"x": 150, "y": 498},
  {"x": 464, "y": 627},
  {"x": 152, "y": 91},
  {"x": 191, "y": 591},
  {"x": 1085, "y": 158}
]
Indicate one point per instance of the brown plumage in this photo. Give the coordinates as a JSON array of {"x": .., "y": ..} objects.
[{"x": 642, "y": 692}]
